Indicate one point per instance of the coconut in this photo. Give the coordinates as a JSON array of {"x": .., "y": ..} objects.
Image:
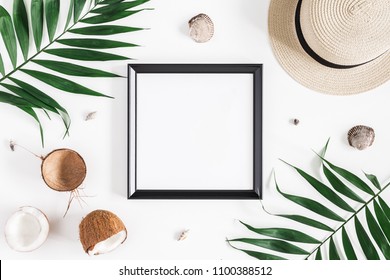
[
  {"x": 27, "y": 229},
  {"x": 101, "y": 232},
  {"x": 63, "y": 170}
]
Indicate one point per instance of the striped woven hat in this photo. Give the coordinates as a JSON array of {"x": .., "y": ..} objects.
[{"x": 338, "y": 47}]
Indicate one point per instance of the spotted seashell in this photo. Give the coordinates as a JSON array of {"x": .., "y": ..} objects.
[
  {"x": 201, "y": 28},
  {"x": 361, "y": 137},
  {"x": 183, "y": 235}
]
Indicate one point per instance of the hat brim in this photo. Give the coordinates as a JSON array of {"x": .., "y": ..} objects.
[{"x": 310, "y": 73}]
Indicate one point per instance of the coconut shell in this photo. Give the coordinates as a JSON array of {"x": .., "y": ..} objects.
[
  {"x": 63, "y": 170},
  {"x": 98, "y": 226}
]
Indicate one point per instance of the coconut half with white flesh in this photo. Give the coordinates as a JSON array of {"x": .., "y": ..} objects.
[
  {"x": 27, "y": 229},
  {"x": 101, "y": 231}
]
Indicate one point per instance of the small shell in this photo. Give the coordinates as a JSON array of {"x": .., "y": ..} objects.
[
  {"x": 12, "y": 145},
  {"x": 183, "y": 235},
  {"x": 361, "y": 137},
  {"x": 201, "y": 28},
  {"x": 90, "y": 116}
]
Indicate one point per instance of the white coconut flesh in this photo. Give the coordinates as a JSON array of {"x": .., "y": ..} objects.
[
  {"x": 27, "y": 229},
  {"x": 109, "y": 244}
]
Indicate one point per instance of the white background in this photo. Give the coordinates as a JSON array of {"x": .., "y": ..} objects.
[
  {"x": 153, "y": 226},
  {"x": 194, "y": 131}
]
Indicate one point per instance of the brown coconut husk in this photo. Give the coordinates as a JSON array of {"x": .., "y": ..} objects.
[
  {"x": 63, "y": 170},
  {"x": 98, "y": 226}
]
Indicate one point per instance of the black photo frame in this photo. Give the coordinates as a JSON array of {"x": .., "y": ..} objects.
[{"x": 137, "y": 73}]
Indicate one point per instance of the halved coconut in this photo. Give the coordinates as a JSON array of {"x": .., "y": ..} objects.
[
  {"x": 63, "y": 170},
  {"x": 27, "y": 229},
  {"x": 101, "y": 232}
]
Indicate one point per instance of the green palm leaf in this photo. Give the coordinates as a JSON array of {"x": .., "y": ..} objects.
[
  {"x": 377, "y": 234},
  {"x": 38, "y": 94},
  {"x": 318, "y": 255},
  {"x": 95, "y": 43},
  {"x": 110, "y": 2},
  {"x": 15, "y": 30},
  {"x": 118, "y": 7},
  {"x": 348, "y": 248},
  {"x": 333, "y": 254},
  {"x": 374, "y": 180},
  {"x": 385, "y": 207},
  {"x": 73, "y": 69},
  {"x": 339, "y": 186},
  {"x": 37, "y": 24},
  {"x": 86, "y": 55},
  {"x": 352, "y": 178},
  {"x": 35, "y": 102},
  {"x": 104, "y": 30},
  {"x": 365, "y": 241},
  {"x": 13, "y": 99},
  {"x": 382, "y": 219},
  {"x": 104, "y": 18},
  {"x": 285, "y": 234},
  {"x": 52, "y": 11},
  {"x": 307, "y": 221},
  {"x": 21, "y": 26},
  {"x": 312, "y": 205},
  {"x": 8, "y": 34},
  {"x": 2, "y": 70},
  {"x": 273, "y": 244},
  {"x": 376, "y": 231},
  {"x": 70, "y": 14},
  {"x": 78, "y": 8},
  {"x": 324, "y": 190},
  {"x": 62, "y": 83}
]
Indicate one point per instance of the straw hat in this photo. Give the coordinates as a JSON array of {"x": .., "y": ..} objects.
[{"x": 339, "y": 47}]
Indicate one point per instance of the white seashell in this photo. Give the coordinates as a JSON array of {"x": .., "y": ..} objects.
[
  {"x": 201, "y": 28},
  {"x": 183, "y": 235},
  {"x": 361, "y": 137}
]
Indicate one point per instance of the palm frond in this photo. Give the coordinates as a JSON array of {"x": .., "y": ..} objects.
[
  {"x": 318, "y": 254},
  {"x": 44, "y": 18},
  {"x": 2, "y": 70},
  {"x": 21, "y": 26},
  {"x": 373, "y": 238},
  {"x": 37, "y": 14},
  {"x": 8, "y": 34},
  {"x": 52, "y": 12},
  {"x": 348, "y": 247}
]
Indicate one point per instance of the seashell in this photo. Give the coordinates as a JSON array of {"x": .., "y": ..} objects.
[
  {"x": 90, "y": 116},
  {"x": 12, "y": 145},
  {"x": 201, "y": 28},
  {"x": 183, "y": 235},
  {"x": 361, "y": 137}
]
